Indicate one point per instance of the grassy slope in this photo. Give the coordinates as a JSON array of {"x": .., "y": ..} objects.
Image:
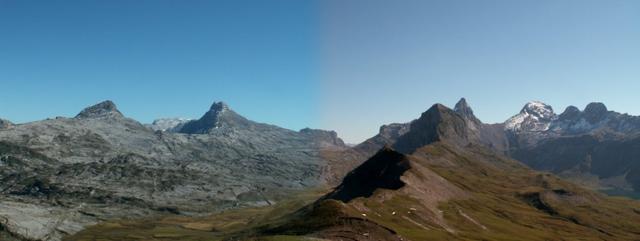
[
  {"x": 501, "y": 202},
  {"x": 507, "y": 202},
  {"x": 214, "y": 227}
]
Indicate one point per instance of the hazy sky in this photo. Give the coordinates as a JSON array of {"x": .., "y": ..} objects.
[
  {"x": 388, "y": 61},
  {"x": 347, "y": 65}
]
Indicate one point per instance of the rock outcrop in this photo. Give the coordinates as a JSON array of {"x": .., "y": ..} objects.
[{"x": 105, "y": 109}]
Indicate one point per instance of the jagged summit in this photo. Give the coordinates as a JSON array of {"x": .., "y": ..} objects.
[
  {"x": 535, "y": 116},
  {"x": 570, "y": 113},
  {"x": 462, "y": 107},
  {"x": 538, "y": 109},
  {"x": 218, "y": 116},
  {"x": 438, "y": 123},
  {"x": 219, "y": 106},
  {"x": 103, "y": 109}
]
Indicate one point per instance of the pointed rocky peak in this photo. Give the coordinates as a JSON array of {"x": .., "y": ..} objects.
[
  {"x": 463, "y": 108},
  {"x": 595, "y": 112},
  {"x": 219, "y": 106},
  {"x": 101, "y": 110},
  {"x": 382, "y": 171},
  {"x": 436, "y": 111},
  {"x": 439, "y": 123},
  {"x": 535, "y": 116},
  {"x": 570, "y": 113},
  {"x": 218, "y": 116}
]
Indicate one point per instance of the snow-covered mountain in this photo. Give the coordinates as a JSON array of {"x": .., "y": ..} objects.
[
  {"x": 538, "y": 118},
  {"x": 167, "y": 124},
  {"x": 535, "y": 116}
]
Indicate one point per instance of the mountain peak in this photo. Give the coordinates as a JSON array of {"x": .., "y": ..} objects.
[
  {"x": 463, "y": 108},
  {"x": 537, "y": 108},
  {"x": 439, "y": 123},
  {"x": 219, "y": 115},
  {"x": 535, "y": 116},
  {"x": 570, "y": 113},
  {"x": 103, "y": 109},
  {"x": 595, "y": 112},
  {"x": 438, "y": 108},
  {"x": 596, "y": 107},
  {"x": 219, "y": 106}
]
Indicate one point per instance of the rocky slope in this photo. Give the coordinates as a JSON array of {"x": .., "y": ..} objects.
[
  {"x": 59, "y": 175},
  {"x": 455, "y": 188},
  {"x": 487, "y": 197},
  {"x": 595, "y": 147},
  {"x": 436, "y": 122},
  {"x": 435, "y": 178}
]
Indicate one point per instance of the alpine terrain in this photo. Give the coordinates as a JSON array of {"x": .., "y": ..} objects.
[
  {"x": 443, "y": 176},
  {"x": 58, "y": 176}
]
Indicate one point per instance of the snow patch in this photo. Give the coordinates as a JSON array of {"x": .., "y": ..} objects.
[
  {"x": 535, "y": 116},
  {"x": 167, "y": 124}
]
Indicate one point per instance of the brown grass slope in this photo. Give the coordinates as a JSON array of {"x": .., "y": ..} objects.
[
  {"x": 444, "y": 192},
  {"x": 453, "y": 193}
]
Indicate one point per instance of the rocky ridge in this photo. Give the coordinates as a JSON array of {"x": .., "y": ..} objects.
[
  {"x": 66, "y": 173},
  {"x": 595, "y": 147},
  {"x": 453, "y": 187}
]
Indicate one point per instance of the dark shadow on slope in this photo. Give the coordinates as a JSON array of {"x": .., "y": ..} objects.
[
  {"x": 383, "y": 170},
  {"x": 535, "y": 200}
]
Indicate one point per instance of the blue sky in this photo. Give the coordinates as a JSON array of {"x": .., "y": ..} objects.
[
  {"x": 158, "y": 58},
  {"x": 388, "y": 61},
  {"x": 346, "y": 65}
]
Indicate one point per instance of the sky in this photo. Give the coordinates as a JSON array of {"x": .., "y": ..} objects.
[
  {"x": 159, "y": 58},
  {"x": 344, "y": 65}
]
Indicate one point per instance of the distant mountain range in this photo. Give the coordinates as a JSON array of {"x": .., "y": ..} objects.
[
  {"x": 595, "y": 147},
  {"x": 440, "y": 178},
  {"x": 59, "y": 175},
  {"x": 444, "y": 175}
]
